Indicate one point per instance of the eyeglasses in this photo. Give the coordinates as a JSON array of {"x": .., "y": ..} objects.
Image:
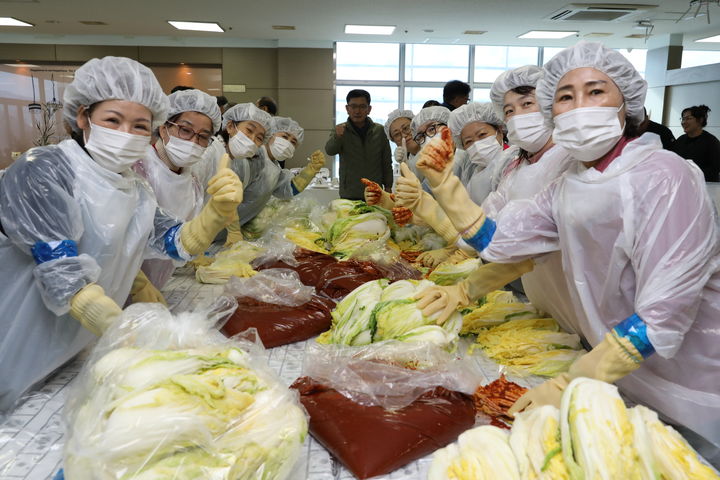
[
  {"x": 203, "y": 139},
  {"x": 353, "y": 106},
  {"x": 429, "y": 132},
  {"x": 682, "y": 119},
  {"x": 404, "y": 131}
]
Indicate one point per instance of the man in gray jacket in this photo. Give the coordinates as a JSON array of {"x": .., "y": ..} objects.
[{"x": 363, "y": 148}]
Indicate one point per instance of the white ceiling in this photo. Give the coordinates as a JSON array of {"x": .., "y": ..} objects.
[{"x": 321, "y": 22}]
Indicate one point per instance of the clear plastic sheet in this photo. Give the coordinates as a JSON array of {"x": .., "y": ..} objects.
[
  {"x": 279, "y": 286},
  {"x": 60, "y": 279},
  {"x": 389, "y": 374},
  {"x": 169, "y": 395},
  {"x": 277, "y": 249}
]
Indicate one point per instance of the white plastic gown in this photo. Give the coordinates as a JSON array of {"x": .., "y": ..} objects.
[
  {"x": 207, "y": 167},
  {"x": 59, "y": 193},
  {"x": 179, "y": 195},
  {"x": 481, "y": 179},
  {"x": 637, "y": 238},
  {"x": 262, "y": 178},
  {"x": 545, "y": 286}
]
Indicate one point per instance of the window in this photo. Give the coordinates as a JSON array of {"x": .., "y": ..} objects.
[
  {"x": 695, "y": 58},
  {"x": 492, "y": 61},
  {"x": 436, "y": 63},
  {"x": 382, "y": 99},
  {"x": 415, "y": 97},
  {"x": 367, "y": 61},
  {"x": 637, "y": 57},
  {"x": 481, "y": 95},
  {"x": 549, "y": 52}
]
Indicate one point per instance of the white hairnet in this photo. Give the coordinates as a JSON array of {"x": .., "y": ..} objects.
[
  {"x": 114, "y": 78},
  {"x": 195, "y": 101},
  {"x": 597, "y": 56},
  {"x": 472, "y": 112},
  {"x": 436, "y": 114},
  {"x": 286, "y": 124},
  {"x": 394, "y": 115},
  {"x": 525, "y": 76},
  {"x": 247, "y": 111}
]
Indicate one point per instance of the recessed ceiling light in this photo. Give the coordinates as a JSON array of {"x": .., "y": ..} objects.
[
  {"x": 20, "y": 65},
  {"x": 636, "y": 35},
  {"x": 547, "y": 34},
  {"x": 370, "y": 29},
  {"x": 713, "y": 39},
  {"x": 92, "y": 22},
  {"x": 13, "y": 22},
  {"x": 428, "y": 30},
  {"x": 283, "y": 27},
  {"x": 474, "y": 32},
  {"x": 196, "y": 26}
]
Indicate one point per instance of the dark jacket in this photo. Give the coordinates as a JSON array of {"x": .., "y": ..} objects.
[
  {"x": 704, "y": 150},
  {"x": 666, "y": 136},
  {"x": 360, "y": 157}
]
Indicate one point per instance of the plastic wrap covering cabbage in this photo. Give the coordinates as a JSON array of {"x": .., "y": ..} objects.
[
  {"x": 596, "y": 432},
  {"x": 235, "y": 261},
  {"x": 348, "y": 234},
  {"x": 482, "y": 453},
  {"x": 449, "y": 274},
  {"x": 168, "y": 397},
  {"x": 664, "y": 453},
  {"x": 536, "y": 346},
  {"x": 389, "y": 374},
  {"x": 535, "y": 440},
  {"x": 278, "y": 214},
  {"x": 493, "y": 309},
  {"x": 377, "y": 311}
]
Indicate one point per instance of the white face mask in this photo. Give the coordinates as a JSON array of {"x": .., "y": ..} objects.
[
  {"x": 282, "y": 149},
  {"x": 241, "y": 146},
  {"x": 484, "y": 151},
  {"x": 115, "y": 150},
  {"x": 528, "y": 131},
  {"x": 588, "y": 133},
  {"x": 183, "y": 153}
]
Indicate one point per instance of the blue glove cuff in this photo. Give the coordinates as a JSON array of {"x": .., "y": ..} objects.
[
  {"x": 45, "y": 251},
  {"x": 171, "y": 238},
  {"x": 295, "y": 191},
  {"x": 484, "y": 236},
  {"x": 634, "y": 329}
]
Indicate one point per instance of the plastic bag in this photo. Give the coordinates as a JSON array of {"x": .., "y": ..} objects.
[
  {"x": 308, "y": 265},
  {"x": 276, "y": 249},
  {"x": 389, "y": 374},
  {"x": 341, "y": 278},
  {"x": 278, "y": 286},
  {"x": 165, "y": 396},
  {"x": 370, "y": 440}
]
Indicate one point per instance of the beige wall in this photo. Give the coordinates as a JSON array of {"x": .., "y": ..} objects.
[{"x": 300, "y": 79}]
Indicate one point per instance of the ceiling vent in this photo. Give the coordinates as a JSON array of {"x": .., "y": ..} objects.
[{"x": 606, "y": 12}]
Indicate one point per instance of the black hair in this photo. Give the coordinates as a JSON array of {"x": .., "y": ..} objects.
[
  {"x": 269, "y": 103},
  {"x": 431, "y": 103},
  {"x": 358, "y": 93},
  {"x": 221, "y": 100},
  {"x": 454, "y": 89},
  {"x": 180, "y": 88},
  {"x": 633, "y": 128},
  {"x": 698, "y": 111}
]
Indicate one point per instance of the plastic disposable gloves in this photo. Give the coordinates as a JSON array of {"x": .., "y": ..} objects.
[
  {"x": 400, "y": 154},
  {"x": 483, "y": 280},
  {"x": 306, "y": 175},
  {"x": 143, "y": 290},
  {"x": 610, "y": 360},
  {"x": 93, "y": 309}
]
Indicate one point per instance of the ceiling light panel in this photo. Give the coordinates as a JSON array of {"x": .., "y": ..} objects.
[
  {"x": 13, "y": 22},
  {"x": 548, "y": 34},
  {"x": 196, "y": 26},
  {"x": 370, "y": 29},
  {"x": 713, "y": 39}
]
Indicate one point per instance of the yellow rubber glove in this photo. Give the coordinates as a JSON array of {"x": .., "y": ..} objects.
[
  {"x": 433, "y": 258},
  {"x": 609, "y": 361},
  {"x": 461, "y": 255},
  {"x": 234, "y": 233},
  {"x": 93, "y": 309},
  {"x": 466, "y": 216},
  {"x": 483, "y": 280},
  {"x": 306, "y": 175},
  {"x": 409, "y": 194},
  {"x": 201, "y": 261},
  {"x": 381, "y": 199},
  {"x": 226, "y": 193},
  {"x": 143, "y": 290}
]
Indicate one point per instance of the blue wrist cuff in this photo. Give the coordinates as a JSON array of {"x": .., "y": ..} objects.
[
  {"x": 483, "y": 237},
  {"x": 634, "y": 329},
  {"x": 171, "y": 242},
  {"x": 44, "y": 252},
  {"x": 294, "y": 188}
]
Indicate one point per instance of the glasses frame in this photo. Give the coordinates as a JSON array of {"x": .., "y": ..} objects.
[
  {"x": 429, "y": 132},
  {"x": 199, "y": 135}
]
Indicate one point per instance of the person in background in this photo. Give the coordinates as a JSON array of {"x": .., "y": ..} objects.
[
  {"x": 363, "y": 148},
  {"x": 180, "y": 144},
  {"x": 77, "y": 222},
  {"x": 399, "y": 131},
  {"x": 180, "y": 88},
  {"x": 698, "y": 145},
  {"x": 267, "y": 104},
  {"x": 455, "y": 94},
  {"x": 666, "y": 136},
  {"x": 247, "y": 128},
  {"x": 285, "y": 136},
  {"x": 223, "y": 104},
  {"x": 431, "y": 103}
]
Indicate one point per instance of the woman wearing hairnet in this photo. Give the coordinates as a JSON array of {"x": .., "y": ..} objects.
[
  {"x": 181, "y": 142},
  {"x": 538, "y": 164},
  {"x": 638, "y": 238},
  {"x": 247, "y": 128},
  {"x": 285, "y": 136},
  {"x": 76, "y": 222}
]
